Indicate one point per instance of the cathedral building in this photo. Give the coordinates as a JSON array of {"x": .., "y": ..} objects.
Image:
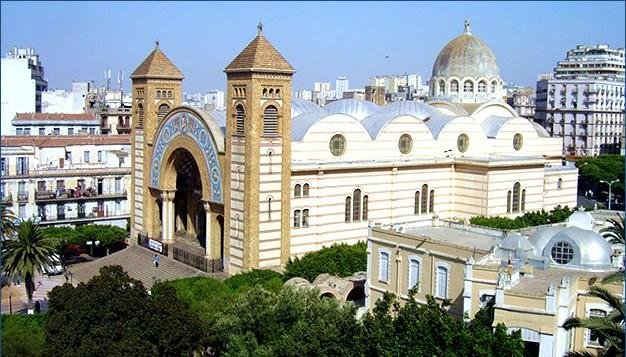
[{"x": 275, "y": 177}]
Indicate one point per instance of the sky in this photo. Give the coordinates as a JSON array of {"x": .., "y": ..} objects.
[{"x": 321, "y": 40}]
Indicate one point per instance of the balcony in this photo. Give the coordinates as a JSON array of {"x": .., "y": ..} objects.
[
  {"x": 65, "y": 218},
  {"x": 105, "y": 128},
  {"x": 7, "y": 198},
  {"x": 123, "y": 129},
  {"x": 22, "y": 196},
  {"x": 65, "y": 195}
]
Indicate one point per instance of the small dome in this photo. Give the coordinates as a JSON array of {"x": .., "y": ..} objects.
[
  {"x": 466, "y": 56},
  {"x": 356, "y": 108},
  {"x": 581, "y": 219}
]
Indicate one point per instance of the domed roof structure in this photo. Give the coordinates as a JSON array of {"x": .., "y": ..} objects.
[
  {"x": 466, "y": 56},
  {"x": 356, "y": 108}
]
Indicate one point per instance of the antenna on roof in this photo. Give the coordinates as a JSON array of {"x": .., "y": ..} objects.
[{"x": 260, "y": 27}]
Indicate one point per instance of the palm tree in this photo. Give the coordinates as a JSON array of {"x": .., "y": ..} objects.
[
  {"x": 614, "y": 234},
  {"x": 7, "y": 222},
  {"x": 609, "y": 328},
  {"x": 28, "y": 251}
]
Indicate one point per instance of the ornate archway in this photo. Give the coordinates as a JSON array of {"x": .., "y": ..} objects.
[{"x": 186, "y": 179}]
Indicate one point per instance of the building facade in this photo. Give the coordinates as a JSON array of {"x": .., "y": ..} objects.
[
  {"x": 22, "y": 84},
  {"x": 535, "y": 279},
  {"x": 275, "y": 177},
  {"x": 62, "y": 101},
  {"x": 67, "y": 180},
  {"x": 523, "y": 100},
  {"x": 41, "y": 124},
  {"x": 583, "y": 101}
]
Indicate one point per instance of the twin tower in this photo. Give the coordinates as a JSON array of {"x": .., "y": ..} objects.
[{"x": 227, "y": 192}]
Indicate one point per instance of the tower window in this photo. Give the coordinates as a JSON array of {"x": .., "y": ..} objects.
[
  {"x": 169, "y": 94},
  {"x": 305, "y": 190},
  {"x": 240, "y": 118},
  {"x": 296, "y": 190},
  {"x": 356, "y": 205},
  {"x": 158, "y": 94},
  {"x": 270, "y": 121},
  {"x": 163, "y": 110},
  {"x": 482, "y": 87},
  {"x": 140, "y": 115},
  {"x": 454, "y": 86}
]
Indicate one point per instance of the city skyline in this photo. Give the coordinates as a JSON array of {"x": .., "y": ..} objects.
[{"x": 321, "y": 40}]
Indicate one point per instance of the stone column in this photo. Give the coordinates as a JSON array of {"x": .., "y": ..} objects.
[
  {"x": 207, "y": 244},
  {"x": 168, "y": 214}
]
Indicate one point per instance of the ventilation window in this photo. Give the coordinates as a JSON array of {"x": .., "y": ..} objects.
[
  {"x": 140, "y": 115},
  {"x": 518, "y": 141},
  {"x": 405, "y": 144},
  {"x": 240, "y": 118},
  {"x": 163, "y": 110},
  {"x": 562, "y": 252},
  {"x": 270, "y": 121},
  {"x": 338, "y": 145}
]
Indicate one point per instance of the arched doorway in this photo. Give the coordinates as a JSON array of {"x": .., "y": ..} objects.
[{"x": 189, "y": 221}]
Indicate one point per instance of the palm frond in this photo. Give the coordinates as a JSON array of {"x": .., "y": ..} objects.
[
  {"x": 614, "y": 277},
  {"x": 613, "y": 301}
]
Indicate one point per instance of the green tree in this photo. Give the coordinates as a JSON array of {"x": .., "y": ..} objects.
[
  {"x": 603, "y": 167},
  {"x": 28, "y": 251},
  {"x": 609, "y": 329},
  {"x": 615, "y": 235},
  {"x": 22, "y": 335},
  {"x": 8, "y": 221},
  {"x": 108, "y": 236},
  {"x": 113, "y": 315},
  {"x": 339, "y": 259}
]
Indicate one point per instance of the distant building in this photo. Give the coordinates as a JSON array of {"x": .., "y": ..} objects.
[
  {"x": 22, "y": 84},
  {"x": 67, "y": 180},
  {"x": 56, "y": 124},
  {"x": 583, "y": 101},
  {"x": 375, "y": 94},
  {"x": 62, "y": 101},
  {"x": 341, "y": 85},
  {"x": 214, "y": 100},
  {"x": 523, "y": 100},
  {"x": 354, "y": 94}
]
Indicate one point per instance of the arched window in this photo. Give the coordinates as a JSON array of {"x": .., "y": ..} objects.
[
  {"x": 383, "y": 266},
  {"x": 365, "y": 207},
  {"x": 454, "y": 86},
  {"x": 271, "y": 92},
  {"x": 559, "y": 183},
  {"x": 158, "y": 94},
  {"x": 296, "y": 190},
  {"x": 494, "y": 84},
  {"x": 240, "y": 117},
  {"x": 442, "y": 87},
  {"x": 468, "y": 86},
  {"x": 140, "y": 115},
  {"x": 416, "y": 204},
  {"x": 169, "y": 94},
  {"x": 305, "y": 190},
  {"x": 516, "y": 196},
  {"x": 431, "y": 201},
  {"x": 442, "y": 281},
  {"x": 348, "y": 209},
  {"x": 482, "y": 87},
  {"x": 508, "y": 202},
  {"x": 163, "y": 110},
  {"x": 523, "y": 200},
  {"x": 414, "y": 273},
  {"x": 296, "y": 218},
  {"x": 269, "y": 208},
  {"x": 270, "y": 121},
  {"x": 356, "y": 205},
  {"x": 305, "y": 218},
  {"x": 424, "y": 208},
  {"x": 265, "y": 92}
]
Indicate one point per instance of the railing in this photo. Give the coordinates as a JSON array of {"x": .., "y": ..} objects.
[
  {"x": 70, "y": 194},
  {"x": 22, "y": 196},
  {"x": 7, "y": 198},
  {"x": 197, "y": 261}
]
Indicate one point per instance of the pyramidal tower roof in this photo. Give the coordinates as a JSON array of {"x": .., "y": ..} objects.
[
  {"x": 157, "y": 65},
  {"x": 259, "y": 55}
]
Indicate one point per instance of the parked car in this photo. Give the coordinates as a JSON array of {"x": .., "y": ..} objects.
[{"x": 55, "y": 269}]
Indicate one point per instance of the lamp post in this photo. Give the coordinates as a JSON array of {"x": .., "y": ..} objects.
[{"x": 610, "y": 184}]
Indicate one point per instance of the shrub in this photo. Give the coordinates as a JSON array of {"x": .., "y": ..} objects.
[
  {"x": 339, "y": 259},
  {"x": 529, "y": 219},
  {"x": 268, "y": 279},
  {"x": 22, "y": 335}
]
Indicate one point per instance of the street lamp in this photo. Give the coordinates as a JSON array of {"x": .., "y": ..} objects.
[{"x": 610, "y": 184}]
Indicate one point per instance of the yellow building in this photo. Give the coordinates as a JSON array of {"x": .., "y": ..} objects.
[
  {"x": 274, "y": 177},
  {"x": 536, "y": 281}
]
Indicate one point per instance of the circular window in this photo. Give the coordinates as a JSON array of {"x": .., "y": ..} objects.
[
  {"x": 338, "y": 145},
  {"x": 405, "y": 144},
  {"x": 518, "y": 141},
  {"x": 562, "y": 252},
  {"x": 462, "y": 142}
]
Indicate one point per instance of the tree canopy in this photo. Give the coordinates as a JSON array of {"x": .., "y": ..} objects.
[
  {"x": 602, "y": 167},
  {"x": 528, "y": 219},
  {"x": 113, "y": 314},
  {"x": 339, "y": 259}
]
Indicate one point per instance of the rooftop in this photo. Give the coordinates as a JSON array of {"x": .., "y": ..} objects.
[
  {"x": 537, "y": 284},
  {"x": 157, "y": 65},
  {"x": 54, "y": 116},
  {"x": 259, "y": 55},
  {"x": 64, "y": 140},
  {"x": 454, "y": 236}
]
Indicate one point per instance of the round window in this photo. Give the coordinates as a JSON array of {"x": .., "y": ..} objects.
[
  {"x": 518, "y": 141},
  {"x": 338, "y": 145},
  {"x": 562, "y": 252},
  {"x": 462, "y": 142},
  {"x": 405, "y": 144}
]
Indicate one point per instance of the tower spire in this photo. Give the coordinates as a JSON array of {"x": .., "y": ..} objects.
[{"x": 260, "y": 28}]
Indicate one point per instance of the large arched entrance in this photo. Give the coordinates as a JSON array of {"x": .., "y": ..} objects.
[{"x": 186, "y": 185}]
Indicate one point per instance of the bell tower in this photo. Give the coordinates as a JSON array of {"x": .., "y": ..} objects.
[
  {"x": 156, "y": 90},
  {"x": 258, "y": 156}
]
